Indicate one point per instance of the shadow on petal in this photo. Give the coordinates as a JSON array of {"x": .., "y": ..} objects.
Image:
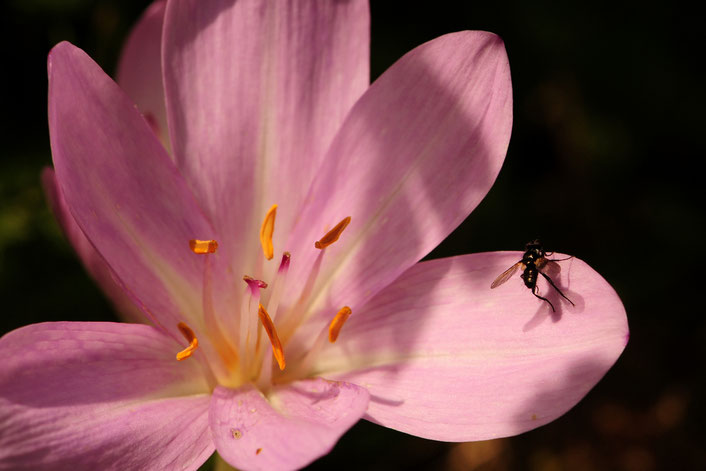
[
  {"x": 563, "y": 281},
  {"x": 433, "y": 146}
]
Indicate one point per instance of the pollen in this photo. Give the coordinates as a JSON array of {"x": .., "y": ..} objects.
[
  {"x": 203, "y": 246},
  {"x": 191, "y": 338},
  {"x": 337, "y": 323},
  {"x": 266, "y": 231},
  {"x": 277, "y": 350},
  {"x": 332, "y": 236}
]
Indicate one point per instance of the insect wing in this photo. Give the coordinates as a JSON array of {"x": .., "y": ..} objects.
[
  {"x": 551, "y": 269},
  {"x": 504, "y": 276}
]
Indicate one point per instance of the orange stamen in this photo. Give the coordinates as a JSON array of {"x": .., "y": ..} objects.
[
  {"x": 337, "y": 323},
  {"x": 203, "y": 246},
  {"x": 191, "y": 338},
  {"x": 332, "y": 235},
  {"x": 277, "y": 350},
  {"x": 266, "y": 231}
]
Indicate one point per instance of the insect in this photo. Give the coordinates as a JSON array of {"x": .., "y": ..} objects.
[{"x": 534, "y": 263}]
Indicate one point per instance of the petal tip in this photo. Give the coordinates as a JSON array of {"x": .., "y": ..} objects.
[{"x": 59, "y": 49}]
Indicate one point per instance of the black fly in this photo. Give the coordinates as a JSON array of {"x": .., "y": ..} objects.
[{"x": 534, "y": 262}]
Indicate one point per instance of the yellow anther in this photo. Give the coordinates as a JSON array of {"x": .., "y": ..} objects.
[
  {"x": 266, "y": 231},
  {"x": 191, "y": 338},
  {"x": 277, "y": 350},
  {"x": 337, "y": 323},
  {"x": 332, "y": 235},
  {"x": 203, "y": 246}
]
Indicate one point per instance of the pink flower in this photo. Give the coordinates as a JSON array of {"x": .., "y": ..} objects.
[{"x": 268, "y": 103}]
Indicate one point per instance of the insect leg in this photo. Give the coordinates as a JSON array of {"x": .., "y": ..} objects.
[
  {"x": 534, "y": 291},
  {"x": 557, "y": 289}
]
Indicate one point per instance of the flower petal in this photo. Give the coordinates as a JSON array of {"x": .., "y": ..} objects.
[
  {"x": 447, "y": 358},
  {"x": 255, "y": 93},
  {"x": 140, "y": 68},
  {"x": 92, "y": 261},
  {"x": 415, "y": 156},
  {"x": 124, "y": 192},
  {"x": 293, "y": 426},
  {"x": 99, "y": 396}
]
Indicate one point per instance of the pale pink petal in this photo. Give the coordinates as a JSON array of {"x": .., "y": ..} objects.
[
  {"x": 92, "y": 261},
  {"x": 140, "y": 68},
  {"x": 415, "y": 156},
  {"x": 255, "y": 92},
  {"x": 447, "y": 358},
  {"x": 100, "y": 396},
  {"x": 293, "y": 426},
  {"x": 123, "y": 190}
]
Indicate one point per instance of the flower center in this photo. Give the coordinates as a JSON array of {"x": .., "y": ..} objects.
[{"x": 234, "y": 349}]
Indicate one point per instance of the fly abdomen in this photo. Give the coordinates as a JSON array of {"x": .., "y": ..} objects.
[{"x": 530, "y": 276}]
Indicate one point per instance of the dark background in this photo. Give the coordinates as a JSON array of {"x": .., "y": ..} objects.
[{"x": 603, "y": 164}]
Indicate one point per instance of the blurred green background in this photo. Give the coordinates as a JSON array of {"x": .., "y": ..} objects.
[{"x": 604, "y": 163}]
